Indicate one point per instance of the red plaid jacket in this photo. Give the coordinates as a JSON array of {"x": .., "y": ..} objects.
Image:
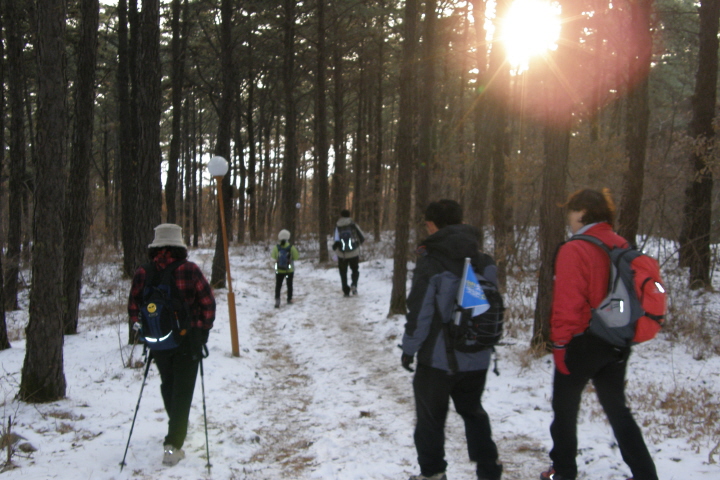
[{"x": 190, "y": 281}]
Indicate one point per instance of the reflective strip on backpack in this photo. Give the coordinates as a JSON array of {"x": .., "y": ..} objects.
[{"x": 153, "y": 340}]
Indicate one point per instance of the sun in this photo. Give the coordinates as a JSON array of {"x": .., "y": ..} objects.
[{"x": 530, "y": 28}]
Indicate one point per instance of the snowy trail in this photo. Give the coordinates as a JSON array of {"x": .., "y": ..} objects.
[
  {"x": 325, "y": 342},
  {"x": 318, "y": 393},
  {"x": 321, "y": 344}
]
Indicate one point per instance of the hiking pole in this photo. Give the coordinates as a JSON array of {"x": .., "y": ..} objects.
[
  {"x": 147, "y": 368},
  {"x": 202, "y": 383}
]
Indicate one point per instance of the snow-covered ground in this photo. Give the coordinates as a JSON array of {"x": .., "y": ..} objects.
[{"x": 318, "y": 392}]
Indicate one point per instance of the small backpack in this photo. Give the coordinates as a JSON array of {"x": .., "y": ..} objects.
[
  {"x": 164, "y": 314},
  {"x": 348, "y": 242},
  {"x": 634, "y": 309},
  {"x": 474, "y": 332},
  {"x": 284, "y": 259}
]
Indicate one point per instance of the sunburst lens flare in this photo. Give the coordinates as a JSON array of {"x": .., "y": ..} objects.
[{"x": 530, "y": 28}]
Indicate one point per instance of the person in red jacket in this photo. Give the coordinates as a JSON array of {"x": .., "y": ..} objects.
[{"x": 581, "y": 282}]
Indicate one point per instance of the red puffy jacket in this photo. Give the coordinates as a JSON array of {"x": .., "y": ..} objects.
[{"x": 581, "y": 282}]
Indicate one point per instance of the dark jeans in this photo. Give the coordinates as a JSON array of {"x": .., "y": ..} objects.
[
  {"x": 279, "y": 277},
  {"x": 178, "y": 371},
  {"x": 589, "y": 358},
  {"x": 433, "y": 388},
  {"x": 343, "y": 264}
]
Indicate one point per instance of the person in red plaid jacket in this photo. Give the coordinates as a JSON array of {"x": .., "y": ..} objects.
[{"x": 178, "y": 367}]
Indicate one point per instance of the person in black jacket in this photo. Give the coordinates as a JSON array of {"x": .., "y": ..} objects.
[
  {"x": 346, "y": 244},
  {"x": 436, "y": 279}
]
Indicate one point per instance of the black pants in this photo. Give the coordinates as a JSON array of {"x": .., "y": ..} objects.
[
  {"x": 433, "y": 388},
  {"x": 589, "y": 358},
  {"x": 279, "y": 277},
  {"x": 343, "y": 264},
  {"x": 178, "y": 371}
]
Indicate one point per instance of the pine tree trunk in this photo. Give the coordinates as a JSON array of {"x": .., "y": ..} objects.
[
  {"x": 289, "y": 197},
  {"x": 638, "y": 119},
  {"x": 695, "y": 236},
  {"x": 339, "y": 183},
  {"x": 240, "y": 162},
  {"x": 498, "y": 101},
  {"x": 149, "y": 98},
  {"x": 43, "y": 379},
  {"x": 222, "y": 146},
  {"x": 177, "y": 46},
  {"x": 405, "y": 141},
  {"x": 376, "y": 173},
  {"x": 4, "y": 340},
  {"x": 480, "y": 168},
  {"x": 15, "y": 81},
  {"x": 77, "y": 208},
  {"x": 558, "y": 123},
  {"x": 252, "y": 159},
  {"x": 323, "y": 218},
  {"x": 426, "y": 131},
  {"x": 127, "y": 136}
]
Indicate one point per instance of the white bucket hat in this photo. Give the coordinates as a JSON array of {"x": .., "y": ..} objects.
[
  {"x": 168, "y": 235},
  {"x": 284, "y": 235}
]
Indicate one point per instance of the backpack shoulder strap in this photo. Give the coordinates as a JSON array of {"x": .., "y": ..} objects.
[
  {"x": 170, "y": 270},
  {"x": 152, "y": 278},
  {"x": 592, "y": 239}
]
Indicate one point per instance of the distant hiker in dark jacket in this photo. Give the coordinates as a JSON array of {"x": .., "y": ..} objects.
[
  {"x": 435, "y": 283},
  {"x": 178, "y": 367},
  {"x": 347, "y": 240},
  {"x": 285, "y": 255},
  {"x": 581, "y": 283}
]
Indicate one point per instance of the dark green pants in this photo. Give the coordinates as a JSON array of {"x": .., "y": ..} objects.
[{"x": 178, "y": 371}]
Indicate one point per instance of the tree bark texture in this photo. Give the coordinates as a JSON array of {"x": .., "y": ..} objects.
[
  {"x": 17, "y": 150},
  {"x": 4, "y": 340},
  {"x": 405, "y": 148},
  {"x": 222, "y": 146},
  {"x": 252, "y": 159},
  {"x": 240, "y": 163},
  {"x": 426, "y": 131},
  {"x": 177, "y": 46},
  {"x": 638, "y": 119},
  {"x": 695, "y": 236},
  {"x": 339, "y": 182},
  {"x": 77, "y": 208},
  {"x": 43, "y": 379},
  {"x": 498, "y": 104},
  {"x": 289, "y": 198},
  {"x": 149, "y": 101},
  {"x": 558, "y": 122},
  {"x": 127, "y": 139},
  {"x": 323, "y": 215},
  {"x": 479, "y": 172},
  {"x": 377, "y": 170}
]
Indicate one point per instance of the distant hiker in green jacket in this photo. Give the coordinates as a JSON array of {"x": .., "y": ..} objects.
[{"x": 285, "y": 254}]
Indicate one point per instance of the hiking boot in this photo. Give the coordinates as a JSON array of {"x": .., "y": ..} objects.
[
  {"x": 277, "y": 303},
  {"x": 551, "y": 475},
  {"x": 437, "y": 476},
  {"x": 289, "y": 301},
  {"x": 346, "y": 294},
  {"x": 353, "y": 290},
  {"x": 172, "y": 455}
]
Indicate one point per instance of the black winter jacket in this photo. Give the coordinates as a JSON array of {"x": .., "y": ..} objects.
[{"x": 435, "y": 284}]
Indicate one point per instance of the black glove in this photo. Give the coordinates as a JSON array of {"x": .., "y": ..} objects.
[
  {"x": 336, "y": 246},
  {"x": 204, "y": 335},
  {"x": 406, "y": 361}
]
